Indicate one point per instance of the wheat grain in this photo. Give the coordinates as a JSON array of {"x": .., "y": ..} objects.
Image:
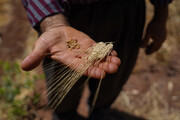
[{"x": 66, "y": 78}]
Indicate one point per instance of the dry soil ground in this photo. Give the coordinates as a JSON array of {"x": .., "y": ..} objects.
[{"x": 153, "y": 90}]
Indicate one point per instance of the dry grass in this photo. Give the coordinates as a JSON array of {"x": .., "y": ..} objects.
[{"x": 151, "y": 105}]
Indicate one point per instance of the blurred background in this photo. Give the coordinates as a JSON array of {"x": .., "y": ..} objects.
[{"x": 152, "y": 91}]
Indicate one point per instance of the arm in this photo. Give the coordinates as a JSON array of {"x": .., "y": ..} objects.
[
  {"x": 55, "y": 33},
  {"x": 156, "y": 29},
  {"x": 38, "y": 10}
]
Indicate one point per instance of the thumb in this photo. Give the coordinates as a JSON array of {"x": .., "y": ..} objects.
[
  {"x": 35, "y": 58},
  {"x": 145, "y": 41}
]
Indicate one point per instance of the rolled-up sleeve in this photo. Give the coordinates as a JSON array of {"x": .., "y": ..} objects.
[
  {"x": 37, "y": 10},
  {"x": 160, "y": 2}
]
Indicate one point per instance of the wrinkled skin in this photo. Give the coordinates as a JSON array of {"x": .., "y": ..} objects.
[{"x": 54, "y": 41}]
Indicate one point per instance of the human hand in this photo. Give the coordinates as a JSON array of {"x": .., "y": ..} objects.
[
  {"x": 53, "y": 42},
  {"x": 156, "y": 31}
]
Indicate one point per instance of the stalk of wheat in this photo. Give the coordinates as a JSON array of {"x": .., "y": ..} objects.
[{"x": 67, "y": 77}]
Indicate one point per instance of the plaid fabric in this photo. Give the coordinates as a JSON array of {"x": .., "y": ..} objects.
[
  {"x": 37, "y": 10},
  {"x": 82, "y": 1}
]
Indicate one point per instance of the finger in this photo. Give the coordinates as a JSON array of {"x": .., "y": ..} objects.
[
  {"x": 35, "y": 58},
  {"x": 145, "y": 41},
  {"x": 108, "y": 67},
  {"x": 114, "y": 53},
  {"x": 96, "y": 72},
  {"x": 153, "y": 47},
  {"x": 114, "y": 60}
]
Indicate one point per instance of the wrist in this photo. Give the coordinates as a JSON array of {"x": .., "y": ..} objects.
[
  {"x": 53, "y": 21},
  {"x": 161, "y": 14}
]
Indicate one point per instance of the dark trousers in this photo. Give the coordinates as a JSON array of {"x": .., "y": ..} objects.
[{"x": 118, "y": 21}]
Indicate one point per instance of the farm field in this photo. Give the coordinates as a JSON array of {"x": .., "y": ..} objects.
[{"x": 152, "y": 91}]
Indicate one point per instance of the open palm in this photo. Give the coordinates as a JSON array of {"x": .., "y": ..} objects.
[{"x": 54, "y": 43}]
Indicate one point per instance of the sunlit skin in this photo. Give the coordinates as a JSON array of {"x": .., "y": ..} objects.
[{"x": 54, "y": 41}]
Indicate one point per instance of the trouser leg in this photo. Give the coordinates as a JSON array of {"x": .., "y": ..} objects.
[{"x": 119, "y": 21}]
